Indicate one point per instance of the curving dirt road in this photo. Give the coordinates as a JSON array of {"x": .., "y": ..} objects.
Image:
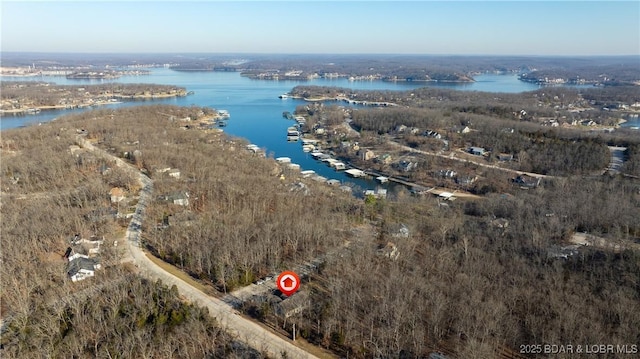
[{"x": 243, "y": 329}]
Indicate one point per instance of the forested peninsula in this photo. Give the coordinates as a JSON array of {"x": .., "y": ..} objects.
[{"x": 30, "y": 97}]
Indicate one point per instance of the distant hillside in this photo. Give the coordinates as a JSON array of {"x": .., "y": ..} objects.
[{"x": 617, "y": 69}]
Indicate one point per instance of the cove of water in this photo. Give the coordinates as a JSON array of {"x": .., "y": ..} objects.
[{"x": 226, "y": 90}]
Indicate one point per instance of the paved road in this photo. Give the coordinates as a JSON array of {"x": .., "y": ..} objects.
[
  {"x": 452, "y": 157},
  {"x": 617, "y": 159},
  {"x": 244, "y": 329}
]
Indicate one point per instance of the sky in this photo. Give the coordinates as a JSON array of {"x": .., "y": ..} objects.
[{"x": 565, "y": 28}]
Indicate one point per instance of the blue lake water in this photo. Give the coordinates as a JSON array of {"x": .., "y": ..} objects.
[
  {"x": 632, "y": 122},
  {"x": 254, "y": 106},
  {"x": 253, "y": 98}
]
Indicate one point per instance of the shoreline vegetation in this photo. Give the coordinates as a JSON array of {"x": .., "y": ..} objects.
[
  {"x": 70, "y": 73},
  {"x": 32, "y": 97},
  {"x": 304, "y": 76},
  {"x": 37, "y": 109}
]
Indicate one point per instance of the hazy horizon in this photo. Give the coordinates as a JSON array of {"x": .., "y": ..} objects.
[
  {"x": 194, "y": 53},
  {"x": 455, "y": 28}
]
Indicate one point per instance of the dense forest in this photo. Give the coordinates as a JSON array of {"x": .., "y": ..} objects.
[
  {"x": 51, "y": 190},
  {"x": 126, "y": 318},
  {"x": 242, "y": 220},
  {"x": 471, "y": 278},
  {"x": 462, "y": 284}
]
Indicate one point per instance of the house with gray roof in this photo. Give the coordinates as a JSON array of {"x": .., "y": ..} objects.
[
  {"x": 81, "y": 267},
  {"x": 293, "y": 305},
  {"x": 478, "y": 151}
]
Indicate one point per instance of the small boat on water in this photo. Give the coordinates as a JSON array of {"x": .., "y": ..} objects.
[
  {"x": 308, "y": 147},
  {"x": 284, "y": 96}
]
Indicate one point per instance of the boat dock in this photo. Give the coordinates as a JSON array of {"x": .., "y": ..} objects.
[
  {"x": 382, "y": 178},
  {"x": 354, "y": 172}
]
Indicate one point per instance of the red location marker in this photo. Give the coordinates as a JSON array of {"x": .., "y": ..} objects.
[{"x": 288, "y": 282}]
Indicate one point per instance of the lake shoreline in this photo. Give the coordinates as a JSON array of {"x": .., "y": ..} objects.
[{"x": 112, "y": 101}]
